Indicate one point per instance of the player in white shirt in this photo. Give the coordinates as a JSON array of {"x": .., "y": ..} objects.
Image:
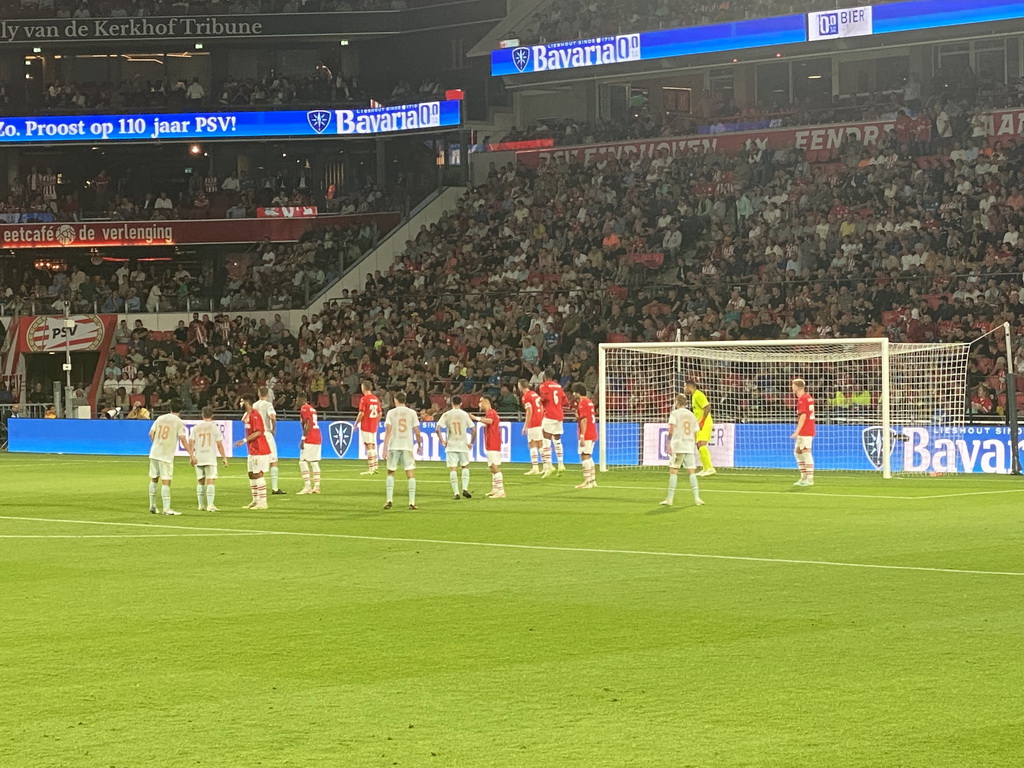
[
  {"x": 401, "y": 439},
  {"x": 207, "y": 442},
  {"x": 682, "y": 448},
  {"x": 265, "y": 406},
  {"x": 455, "y": 432},
  {"x": 166, "y": 434}
]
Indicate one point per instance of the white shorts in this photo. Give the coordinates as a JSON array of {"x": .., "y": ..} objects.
[
  {"x": 273, "y": 446},
  {"x": 162, "y": 469},
  {"x": 456, "y": 458},
  {"x": 258, "y": 464},
  {"x": 552, "y": 426},
  {"x": 494, "y": 458},
  {"x": 401, "y": 460},
  {"x": 683, "y": 461},
  {"x": 367, "y": 438},
  {"x": 803, "y": 443},
  {"x": 587, "y": 447},
  {"x": 206, "y": 471},
  {"x": 310, "y": 452},
  {"x": 535, "y": 434}
]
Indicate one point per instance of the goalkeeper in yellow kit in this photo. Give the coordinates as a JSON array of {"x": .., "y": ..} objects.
[{"x": 701, "y": 407}]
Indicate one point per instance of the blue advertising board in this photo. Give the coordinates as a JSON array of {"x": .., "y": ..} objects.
[
  {"x": 752, "y": 33},
  {"x": 970, "y": 449},
  {"x": 264, "y": 124}
]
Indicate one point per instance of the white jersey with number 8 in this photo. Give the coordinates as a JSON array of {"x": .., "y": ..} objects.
[{"x": 684, "y": 431}]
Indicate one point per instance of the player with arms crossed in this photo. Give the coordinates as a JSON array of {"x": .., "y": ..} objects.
[
  {"x": 269, "y": 414},
  {"x": 701, "y": 407},
  {"x": 207, "y": 443},
  {"x": 455, "y": 432},
  {"x": 553, "y": 398},
  {"x": 166, "y": 434},
  {"x": 533, "y": 424},
  {"x": 368, "y": 420},
  {"x": 310, "y": 446},
  {"x": 586, "y": 424},
  {"x": 259, "y": 453},
  {"x": 804, "y": 433},
  {"x": 492, "y": 446},
  {"x": 682, "y": 447},
  {"x": 401, "y": 430}
]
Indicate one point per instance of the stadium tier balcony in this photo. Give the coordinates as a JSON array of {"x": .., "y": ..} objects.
[{"x": 41, "y": 9}]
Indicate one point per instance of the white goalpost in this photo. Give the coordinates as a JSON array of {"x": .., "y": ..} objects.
[{"x": 880, "y": 406}]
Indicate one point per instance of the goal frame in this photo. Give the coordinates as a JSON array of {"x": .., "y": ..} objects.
[{"x": 884, "y": 403}]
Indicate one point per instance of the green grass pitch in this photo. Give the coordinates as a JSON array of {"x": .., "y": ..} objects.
[{"x": 553, "y": 628}]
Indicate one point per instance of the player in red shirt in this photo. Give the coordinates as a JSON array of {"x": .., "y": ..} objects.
[
  {"x": 259, "y": 453},
  {"x": 309, "y": 446},
  {"x": 586, "y": 424},
  {"x": 368, "y": 420},
  {"x": 533, "y": 425},
  {"x": 553, "y": 398},
  {"x": 492, "y": 446},
  {"x": 804, "y": 433}
]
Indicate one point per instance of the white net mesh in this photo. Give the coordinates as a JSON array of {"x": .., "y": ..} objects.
[{"x": 754, "y": 411}]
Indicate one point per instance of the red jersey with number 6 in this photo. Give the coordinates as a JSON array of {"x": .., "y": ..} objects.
[
  {"x": 553, "y": 397},
  {"x": 806, "y": 405},
  {"x": 585, "y": 410},
  {"x": 492, "y": 431},
  {"x": 254, "y": 423},
  {"x": 309, "y": 418},
  {"x": 532, "y": 399},
  {"x": 370, "y": 406}
]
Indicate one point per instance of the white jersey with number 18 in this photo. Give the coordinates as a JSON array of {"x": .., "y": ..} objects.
[{"x": 166, "y": 431}]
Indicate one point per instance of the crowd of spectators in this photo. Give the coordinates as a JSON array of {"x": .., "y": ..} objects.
[
  {"x": 582, "y": 19},
  {"x": 913, "y": 240},
  {"x": 84, "y": 9},
  {"x": 266, "y": 276}
]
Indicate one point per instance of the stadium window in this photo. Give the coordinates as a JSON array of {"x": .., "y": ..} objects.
[
  {"x": 458, "y": 53},
  {"x": 773, "y": 84},
  {"x": 676, "y": 101},
  {"x": 720, "y": 83},
  {"x": 812, "y": 81},
  {"x": 990, "y": 61}
]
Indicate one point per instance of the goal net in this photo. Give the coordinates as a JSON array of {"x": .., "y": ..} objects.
[{"x": 879, "y": 406}]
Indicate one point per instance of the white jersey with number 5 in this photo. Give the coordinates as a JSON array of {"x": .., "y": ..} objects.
[
  {"x": 402, "y": 421},
  {"x": 684, "y": 431},
  {"x": 459, "y": 427},
  {"x": 166, "y": 431},
  {"x": 205, "y": 437}
]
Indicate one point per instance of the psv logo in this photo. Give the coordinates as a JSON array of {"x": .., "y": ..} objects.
[{"x": 341, "y": 434}]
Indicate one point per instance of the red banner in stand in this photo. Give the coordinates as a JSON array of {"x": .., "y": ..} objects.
[
  {"x": 98, "y": 234},
  {"x": 809, "y": 138},
  {"x": 649, "y": 260}
]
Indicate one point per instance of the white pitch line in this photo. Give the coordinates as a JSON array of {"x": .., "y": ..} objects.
[
  {"x": 126, "y": 535},
  {"x": 540, "y": 547}
]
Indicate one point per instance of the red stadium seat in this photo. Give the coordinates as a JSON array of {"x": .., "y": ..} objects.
[
  {"x": 323, "y": 400},
  {"x": 121, "y": 349},
  {"x": 134, "y": 400}
]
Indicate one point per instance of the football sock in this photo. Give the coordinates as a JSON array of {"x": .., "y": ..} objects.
[
  {"x": 705, "y": 457},
  {"x": 672, "y": 481},
  {"x": 559, "y": 453},
  {"x": 465, "y": 478},
  {"x": 316, "y": 474},
  {"x": 201, "y": 494},
  {"x": 545, "y": 453},
  {"x": 165, "y": 494},
  {"x": 800, "y": 465},
  {"x": 453, "y": 476},
  {"x": 152, "y": 494},
  {"x": 252, "y": 488},
  {"x": 412, "y": 490},
  {"x": 211, "y": 492},
  {"x": 389, "y": 486},
  {"x": 273, "y": 478},
  {"x": 589, "y": 471},
  {"x": 499, "y": 482},
  {"x": 694, "y": 488},
  {"x": 371, "y": 459},
  {"x": 261, "y": 490},
  {"x": 304, "y": 469},
  {"x": 535, "y": 457},
  {"x": 809, "y": 467}
]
